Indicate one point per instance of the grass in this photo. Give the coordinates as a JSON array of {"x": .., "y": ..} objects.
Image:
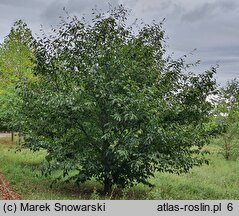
[{"x": 219, "y": 180}]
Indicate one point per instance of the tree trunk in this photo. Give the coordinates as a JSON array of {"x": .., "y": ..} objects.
[
  {"x": 12, "y": 137},
  {"x": 227, "y": 148},
  {"x": 107, "y": 186},
  {"x": 106, "y": 164}
]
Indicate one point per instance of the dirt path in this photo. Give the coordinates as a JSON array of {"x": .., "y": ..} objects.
[
  {"x": 6, "y": 192},
  {"x": 3, "y": 135}
]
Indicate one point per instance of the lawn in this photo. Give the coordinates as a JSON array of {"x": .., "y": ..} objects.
[{"x": 219, "y": 180}]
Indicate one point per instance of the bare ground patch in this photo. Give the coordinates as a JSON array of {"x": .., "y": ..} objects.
[{"x": 6, "y": 192}]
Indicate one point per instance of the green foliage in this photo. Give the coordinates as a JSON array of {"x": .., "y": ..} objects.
[
  {"x": 16, "y": 55},
  {"x": 109, "y": 105},
  {"x": 10, "y": 105}
]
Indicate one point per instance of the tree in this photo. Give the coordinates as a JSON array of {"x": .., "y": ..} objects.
[
  {"x": 16, "y": 64},
  {"x": 228, "y": 117},
  {"x": 109, "y": 105}
]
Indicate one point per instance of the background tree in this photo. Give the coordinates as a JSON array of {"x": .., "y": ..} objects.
[
  {"x": 110, "y": 106},
  {"x": 16, "y": 64},
  {"x": 228, "y": 116}
]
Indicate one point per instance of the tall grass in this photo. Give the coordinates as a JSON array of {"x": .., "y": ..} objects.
[{"x": 219, "y": 180}]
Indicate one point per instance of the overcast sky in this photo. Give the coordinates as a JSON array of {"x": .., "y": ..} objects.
[{"x": 210, "y": 26}]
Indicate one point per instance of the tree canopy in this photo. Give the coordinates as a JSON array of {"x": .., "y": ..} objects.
[
  {"x": 16, "y": 64},
  {"x": 110, "y": 105}
]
